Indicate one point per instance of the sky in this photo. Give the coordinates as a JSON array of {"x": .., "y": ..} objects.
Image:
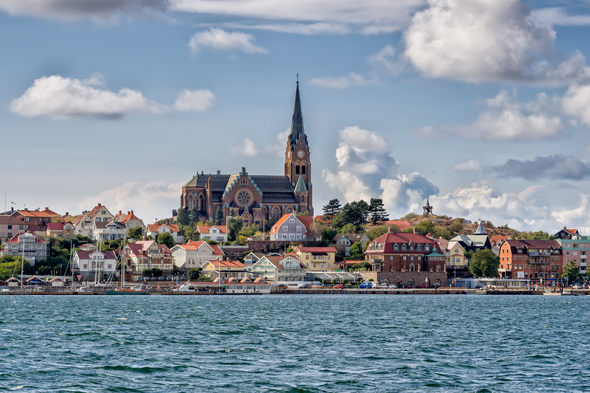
[{"x": 481, "y": 105}]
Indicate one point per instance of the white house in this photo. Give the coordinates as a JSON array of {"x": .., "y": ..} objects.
[
  {"x": 193, "y": 255},
  {"x": 28, "y": 245},
  {"x": 155, "y": 229},
  {"x": 346, "y": 240},
  {"x": 111, "y": 230},
  {"x": 289, "y": 227},
  {"x": 95, "y": 263},
  {"x": 216, "y": 233},
  {"x": 279, "y": 269}
]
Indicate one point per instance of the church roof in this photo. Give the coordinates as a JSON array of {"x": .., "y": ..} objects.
[
  {"x": 480, "y": 229},
  {"x": 300, "y": 187}
]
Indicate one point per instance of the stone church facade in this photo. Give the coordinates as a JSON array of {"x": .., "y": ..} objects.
[{"x": 258, "y": 198}]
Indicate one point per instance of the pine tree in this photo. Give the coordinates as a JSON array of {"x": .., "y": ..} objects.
[
  {"x": 194, "y": 216},
  {"x": 183, "y": 218},
  {"x": 218, "y": 216},
  {"x": 376, "y": 211},
  {"x": 332, "y": 208}
]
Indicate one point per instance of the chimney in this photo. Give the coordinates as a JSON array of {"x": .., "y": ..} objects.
[
  {"x": 389, "y": 230},
  {"x": 131, "y": 212},
  {"x": 46, "y": 208},
  {"x": 219, "y": 172},
  {"x": 120, "y": 212},
  {"x": 99, "y": 205},
  {"x": 415, "y": 230}
]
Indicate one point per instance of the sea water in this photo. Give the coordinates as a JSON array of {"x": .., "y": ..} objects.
[{"x": 292, "y": 343}]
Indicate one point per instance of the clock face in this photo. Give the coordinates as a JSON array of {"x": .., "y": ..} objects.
[
  {"x": 300, "y": 154},
  {"x": 243, "y": 198}
]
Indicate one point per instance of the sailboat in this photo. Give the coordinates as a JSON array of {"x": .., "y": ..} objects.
[{"x": 123, "y": 290}]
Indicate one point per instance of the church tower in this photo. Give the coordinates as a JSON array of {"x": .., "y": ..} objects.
[{"x": 297, "y": 159}]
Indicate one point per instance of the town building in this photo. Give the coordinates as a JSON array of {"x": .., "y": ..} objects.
[
  {"x": 155, "y": 229},
  {"x": 344, "y": 241},
  {"x": 217, "y": 233},
  {"x": 456, "y": 258},
  {"x": 317, "y": 258},
  {"x": 279, "y": 269},
  {"x": 61, "y": 230},
  {"x": 194, "y": 254},
  {"x": 566, "y": 233},
  {"x": 576, "y": 249},
  {"x": 409, "y": 259},
  {"x": 531, "y": 259},
  {"x": 293, "y": 228},
  {"x": 256, "y": 198},
  {"x": 26, "y": 245},
  {"x": 106, "y": 231},
  {"x": 478, "y": 241},
  {"x": 16, "y": 221},
  {"x": 130, "y": 220},
  {"x": 224, "y": 268},
  {"x": 147, "y": 254},
  {"x": 84, "y": 223},
  {"x": 92, "y": 264}
]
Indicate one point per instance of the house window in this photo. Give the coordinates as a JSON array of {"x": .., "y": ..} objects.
[
  {"x": 10, "y": 227},
  {"x": 298, "y": 228},
  {"x": 419, "y": 248},
  {"x": 427, "y": 248},
  {"x": 404, "y": 248},
  {"x": 404, "y": 257},
  {"x": 103, "y": 212},
  {"x": 391, "y": 258},
  {"x": 285, "y": 229},
  {"x": 27, "y": 219}
]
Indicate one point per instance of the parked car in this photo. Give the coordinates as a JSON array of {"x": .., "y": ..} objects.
[
  {"x": 365, "y": 285},
  {"x": 339, "y": 286},
  {"x": 384, "y": 286}
]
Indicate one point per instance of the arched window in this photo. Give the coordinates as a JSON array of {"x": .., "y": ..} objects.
[
  {"x": 303, "y": 169},
  {"x": 275, "y": 211},
  {"x": 302, "y": 198},
  {"x": 200, "y": 205},
  {"x": 191, "y": 204},
  {"x": 412, "y": 267},
  {"x": 297, "y": 170},
  {"x": 289, "y": 210}
]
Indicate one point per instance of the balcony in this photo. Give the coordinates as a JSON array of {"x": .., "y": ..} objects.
[{"x": 539, "y": 254}]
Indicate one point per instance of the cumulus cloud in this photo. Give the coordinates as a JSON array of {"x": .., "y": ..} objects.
[
  {"x": 576, "y": 102},
  {"x": 507, "y": 119},
  {"x": 557, "y": 167},
  {"x": 342, "y": 82},
  {"x": 194, "y": 101},
  {"x": 147, "y": 200},
  {"x": 249, "y": 148},
  {"x": 558, "y": 16},
  {"x": 487, "y": 41},
  {"x": 386, "y": 59},
  {"x": 368, "y": 17},
  {"x": 219, "y": 39},
  {"x": 75, "y": 9},
  {"x": 469, "y": 166},
  {"x": 577, "y": 217},
  {"x": 62, "y": 98},
  {"x": 367, "y": 170}
]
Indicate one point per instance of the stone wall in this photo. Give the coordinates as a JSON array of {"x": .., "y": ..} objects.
[{"x": 403, "y": 278}]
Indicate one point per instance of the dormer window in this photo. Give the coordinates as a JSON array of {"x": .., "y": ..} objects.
[
  {"x": 419, "y": 248},
  {"x": 395, "y": 247},
  {"x": 404, "y": 248},
  {"x": 427, "y": 247}
]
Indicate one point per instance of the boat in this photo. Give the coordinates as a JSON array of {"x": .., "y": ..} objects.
[{"x": 126, "y": 290}]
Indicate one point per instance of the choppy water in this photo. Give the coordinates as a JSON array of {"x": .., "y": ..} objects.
[{"x": 294, "y": 344}]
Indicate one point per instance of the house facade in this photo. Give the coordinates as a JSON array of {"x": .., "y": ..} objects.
[
  {"x": 91, "y": 264},
  {"x": 148, "y": 254},
  {"x": 346, "y": 240},
  {"x": 456, "y": 258},
  {"x": 155, "y": 229},
  {"x": 106, "y": 231},
  {"x": 279, "y": 269},
  {"x": 317, "y": 258},
  {"x": 576, "y": 249},
  {"x": 289, "y": 227},
  {"x": 224, "y": 268},
  {"x": 217, "y": 233},
  {"x": 194, "y": 254},
  {"x": 531, "y": 259},
  {"x": 62, "y": 230},
  {"x": 27, "y": 245}
]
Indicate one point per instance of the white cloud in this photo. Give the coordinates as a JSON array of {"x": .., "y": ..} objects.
[
  {"x": 386, "y": 58},
  {"x": 194, "y": 101},
  {"x": 558, "y": 16},
  {"x": 147, "y": 200},
  {"x": 249, "y": 148},
  {"x": 295, "y": 28},
  {"x": 578, "y": 217},
  {"x": 469, "y": 166},
  {"x": 342, "y": 82},
  {"x": 487, "y": 41},
  {"x": 576, "y": 102},
  {"x": 100, "y": 10},
  {"x": 222, "y": 40},
  {"x": 507, "y": 119},
  {"x": 63, "y": 98},
  {"x": 366, "y": 170},
  {"x": 370, "y": 16}
]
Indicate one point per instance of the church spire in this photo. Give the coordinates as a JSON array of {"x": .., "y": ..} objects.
[{"x": 297, "y": 131}]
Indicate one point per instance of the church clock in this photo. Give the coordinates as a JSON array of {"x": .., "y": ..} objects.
[{"x": 300, "y": 154}]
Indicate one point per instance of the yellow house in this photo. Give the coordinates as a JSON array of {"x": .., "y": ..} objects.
[
  {"x": 317, "y": 258},
  {"x": 456, "y": 256},
  {"x": 225, "y": 268}
]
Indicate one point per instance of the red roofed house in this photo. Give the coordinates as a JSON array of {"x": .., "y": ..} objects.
[
  {"x": 531, "y": 259},
  {"x": 84, "y": 223},
  {"x": 317, "y": 258},
  {"x": 280, "y": 269},
  {"x": 27, "y": 244},
  {"x": 130, "y": 220},
  {"x": 407, "y": 259},
  {"x": 566, "y": 233},
  {"x": 217, "y": 233},
  {"x": 291, "y": 227},
  {"x": 148, "y": 254},
  {"x": 94, "y": 263},
  {"x": 155, "y": 229},
  {"x": 193, "y": 255},
  {"x": 61, "y": 230},
  {"x": 224, "y": 268}
]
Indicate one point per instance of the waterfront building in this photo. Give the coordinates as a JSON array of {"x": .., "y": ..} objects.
[
  {"x": 531, "y": 259},
  {"x": 317, "y": 258},
  {"x": 256, "y": 198},
  {"x": 155, "y": 229},
  {"x": 455, "y": 257},
  {"x": 576, "y": 249},
  {"x": 90, "y": 264},
  {"x": 408, "y": 259},
  {"x": 28, "y": 245},
  {"x": 224, "y": 268},
  {"x": 496, "y": 242},
  {"x": 25, "y": 220},
  {"x": 279, "y": 269},
  {"x": 217, "y": 233},
  {"x": 345, "y": 240},
  {"x": 194, "y": 254},
  {"x": 147, "y": 254}
]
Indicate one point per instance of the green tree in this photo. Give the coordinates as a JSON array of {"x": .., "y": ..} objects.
[
  {"x": 332, "y": 208},
  {"x": 571, "y": 271},
  {"x": 234, "y": 225},
  {"x": 153, "y": 272},
  {"x": 194, "y": 215},
  {"x": 348, "y": 228},
  {"x": 249, "y": 231},
  {"x": 182, "y": 218},
  {"x": 376, "y": 211},
  {"x": 11, "y": 266},
  {"x": 484, "y": 263},
  {"x": 426, "y": 227},
  {"x": 135, "y": 233},
  {"x": 166, "y": 238},
  {"x": 193, "y": 274},
  {"x": 356, "y": 251},
  {"x": 218, "y": 216}
]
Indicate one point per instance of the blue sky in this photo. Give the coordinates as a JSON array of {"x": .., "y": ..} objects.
[{"x": 483, "y": 104}]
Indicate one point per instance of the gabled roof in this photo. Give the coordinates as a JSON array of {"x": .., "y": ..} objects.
[
  {"x": 472, "y": 240},
  {"x": 55, "y": 226},
  {"x": 389, "y": 239},
  {"x": 14, "y": 239},
  {"x": 207, "y": 228},
  {"x": 497, "y": 238},
  {"x": 156, "y": 227},
  {"x": 309, "y": 223},
  {"x": 225, "y": 263},
  {"x": 40, "y": 214},
  {"x": 86, "y": 254},
  {"x": 195, "y": 245},
  {"x": 277, "y": 259},
  {"x": 282, "y": 220},
  {"x": 130, "y": 216},
  {"x": 444, "y": 242}
]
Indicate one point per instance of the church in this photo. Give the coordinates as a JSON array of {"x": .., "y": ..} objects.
[{"x": 258, "y": 198}]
